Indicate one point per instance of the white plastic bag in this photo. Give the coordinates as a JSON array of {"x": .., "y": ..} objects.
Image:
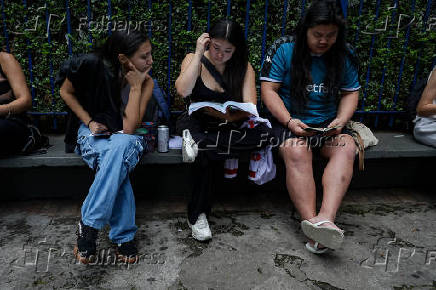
[{"x": 189, "y": 147}]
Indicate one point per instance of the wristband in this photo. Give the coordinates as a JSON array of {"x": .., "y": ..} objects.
[
  {"x": 287, "y": 123},
  {"x": 92, "y": 120}
]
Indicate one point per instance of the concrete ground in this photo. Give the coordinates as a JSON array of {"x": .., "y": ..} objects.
[{"x": 257, "y": 244}]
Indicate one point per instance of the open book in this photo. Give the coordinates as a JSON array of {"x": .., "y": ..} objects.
[
  {"x": 247, "y": 107},
  {"x": 321, "y": 130}
]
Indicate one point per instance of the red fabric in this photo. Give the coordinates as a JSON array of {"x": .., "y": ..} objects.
[
  {"x": 230, "y": 171},
  {"x": 255, "y": 156}
]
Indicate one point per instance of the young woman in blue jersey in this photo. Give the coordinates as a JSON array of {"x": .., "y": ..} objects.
[
  {"x": 311, "y": 80},
  {"x": 108, "y": 92}
]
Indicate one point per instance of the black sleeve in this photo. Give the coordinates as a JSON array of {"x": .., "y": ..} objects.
[{"x": 79, "y": 70}]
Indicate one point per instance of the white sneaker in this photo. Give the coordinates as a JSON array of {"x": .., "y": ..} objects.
[{"x": 201, "y": 230}]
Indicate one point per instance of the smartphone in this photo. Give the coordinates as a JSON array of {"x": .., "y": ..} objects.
[{"x": 104, "y": 134}]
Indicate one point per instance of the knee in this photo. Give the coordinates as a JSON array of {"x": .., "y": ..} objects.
[
  {"x": 348, "y": 147},
  {"x": 130, "y": 147},
  {"x": 296, "y": 155},
  {"x": 125, "y": 143}
]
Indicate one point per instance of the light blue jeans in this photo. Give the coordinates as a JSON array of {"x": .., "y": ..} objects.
[{"x": 110, "y": 198}]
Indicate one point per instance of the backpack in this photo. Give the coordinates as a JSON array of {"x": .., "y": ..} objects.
[
  {"x": 36, "y": 142},
  {"x": 157, "y": 108}
]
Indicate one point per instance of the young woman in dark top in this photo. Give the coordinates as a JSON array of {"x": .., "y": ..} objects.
[
  {"x": 227, "y": 56},
  {"x": 91, "y": 87},
  {"x": 15, "y": 100}
]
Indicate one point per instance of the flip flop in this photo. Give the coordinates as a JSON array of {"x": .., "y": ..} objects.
[
  {"x": 329, "y": 237},
  {"x": 314, "y": 249}
]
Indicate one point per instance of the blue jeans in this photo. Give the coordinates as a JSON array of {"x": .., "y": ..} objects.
[{"x": 110, "y": 199}]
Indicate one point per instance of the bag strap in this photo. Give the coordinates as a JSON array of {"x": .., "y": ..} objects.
[
  {"x": 360, "y": 146},
  {"x": 214, "y": 73}
]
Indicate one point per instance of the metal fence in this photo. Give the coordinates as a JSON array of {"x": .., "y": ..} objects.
[{"x": 169, "y": 81}]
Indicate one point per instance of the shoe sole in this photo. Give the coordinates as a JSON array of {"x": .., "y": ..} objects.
[
  {"x": 327, "y": 236},
  {"x": 81, "y": 259},
  {"x": 201, "y": 239},
  {"x": 314, "y": 250}
]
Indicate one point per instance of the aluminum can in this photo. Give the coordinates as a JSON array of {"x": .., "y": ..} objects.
[{"x": 163, "y": 136}]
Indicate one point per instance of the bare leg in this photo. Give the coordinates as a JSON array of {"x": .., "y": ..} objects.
[
  {"x": 299, "y": 176},
  {"x": 337, "y": 176}
]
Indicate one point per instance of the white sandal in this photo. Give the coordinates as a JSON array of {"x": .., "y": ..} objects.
[
  {"x": 327, "y": 236},
  {"x": 314, "y": 249}
]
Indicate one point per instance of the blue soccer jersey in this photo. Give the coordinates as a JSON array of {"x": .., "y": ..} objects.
[{"x": 319, "y": 107}]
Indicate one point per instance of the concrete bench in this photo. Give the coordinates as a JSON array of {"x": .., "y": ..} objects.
[
  {"x": 397, "y": 161},
  {"x": 398, "y": 145},
  {"x": 391, "y": 145},
  {"x": 56, "y": 157}
]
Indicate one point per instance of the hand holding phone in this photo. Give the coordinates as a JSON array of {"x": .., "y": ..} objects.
[
  {"x": 105, "y": 134},
  {"x": 319, "y": 130},
  {"x": 97, "y": 128}
]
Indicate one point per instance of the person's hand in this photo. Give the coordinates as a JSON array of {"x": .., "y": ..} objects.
[
  {"x": 147, "y": 76},
  {"x": 96, "y": 127},
  {"x": 336, "y": 123},
  {"x": 202, "y": 43},
  {"x": 134, "y": 77},
  {"x": 297, "y": 127}
]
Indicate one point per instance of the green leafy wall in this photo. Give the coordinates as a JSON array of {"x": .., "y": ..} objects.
[{"x": 422, "y": 40}]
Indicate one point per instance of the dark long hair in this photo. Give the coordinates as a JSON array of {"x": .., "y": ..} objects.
[
  {"x": 236, "y": 67},
  {"x": 121, "y": 42},
  {"x": 321, "y": 12}
]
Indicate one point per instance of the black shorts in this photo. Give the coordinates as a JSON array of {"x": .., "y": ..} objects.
[{"x": 281, "y": 134}]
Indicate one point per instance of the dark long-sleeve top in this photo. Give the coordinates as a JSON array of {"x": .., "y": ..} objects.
[{"x": 97, "y": 89}]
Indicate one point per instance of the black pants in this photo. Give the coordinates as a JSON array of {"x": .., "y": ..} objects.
[
  {"x": 13, "y": 136},
  {"x": 217, "y": 142},
  {"x": 205, "y": 174}
]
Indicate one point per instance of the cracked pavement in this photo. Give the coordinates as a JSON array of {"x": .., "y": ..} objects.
[{"x": 257, "y": 244}]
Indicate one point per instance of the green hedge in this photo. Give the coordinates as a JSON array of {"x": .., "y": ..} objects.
[{"x": 422, "y": 41}]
